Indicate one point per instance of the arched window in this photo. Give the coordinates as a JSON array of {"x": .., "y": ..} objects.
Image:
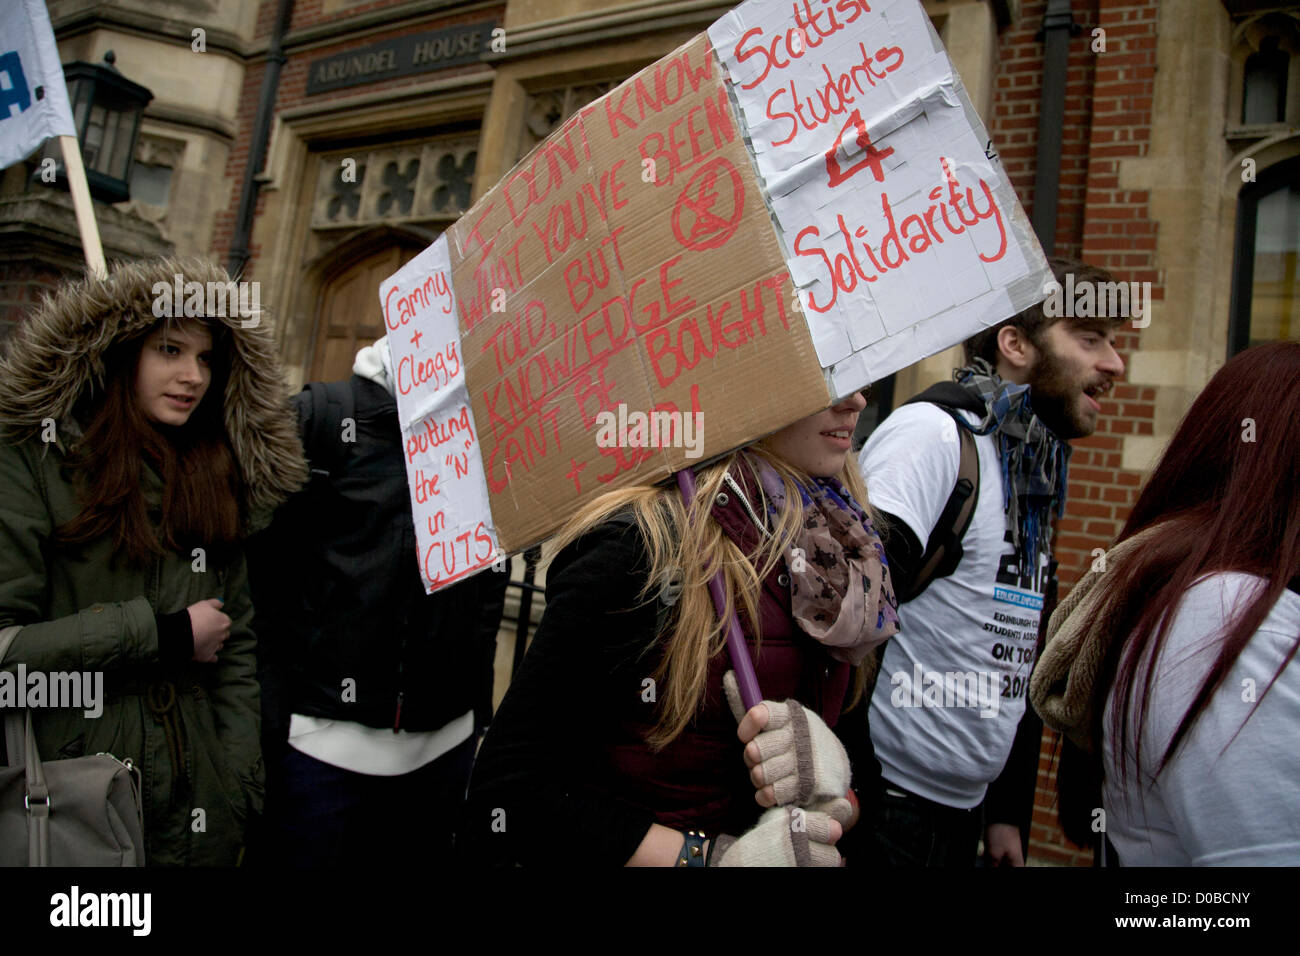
[
  {"x": 1264, "y": 89},
  {"x": 1266, "y": 277},
  {"x": 1265, "y": 79}
]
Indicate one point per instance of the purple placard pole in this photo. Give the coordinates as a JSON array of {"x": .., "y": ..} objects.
[{"x": 736, "y": 646}]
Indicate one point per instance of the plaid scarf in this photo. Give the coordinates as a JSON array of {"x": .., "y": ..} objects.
[
  {"x": 1034, "y": 461},
  {"x": 840, "y": 592}
]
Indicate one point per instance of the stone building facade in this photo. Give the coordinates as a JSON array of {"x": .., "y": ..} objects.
[{"x": 1180, "y": 166}]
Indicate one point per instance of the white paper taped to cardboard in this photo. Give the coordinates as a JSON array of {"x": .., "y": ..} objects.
[
  {"x": 900, "y": 227},
  {"x": 444, "y": 468}
]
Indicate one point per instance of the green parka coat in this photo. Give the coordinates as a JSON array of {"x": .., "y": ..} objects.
[{"x": 193, "y": 730}]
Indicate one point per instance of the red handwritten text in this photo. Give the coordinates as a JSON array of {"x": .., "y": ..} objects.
[
  {"x": 913, "y": 235},
  {"x": 714, "y": 115},
  {"x": 455, "y": 559},
  {"x": 834, "y": 97},
  {"x": 672, "y": 354},
  {"x": 799, "y": 39},
  {"x": 436, "y": 433},
  {"x": 418, "y": 299},
  {"x": 671, "y": 79},
  {"x": 440, "y": 369}
]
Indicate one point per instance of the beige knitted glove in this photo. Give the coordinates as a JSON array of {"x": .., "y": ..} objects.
[
  {"x": 800, "y": 757},
  {"x": 783, "y": 836}
]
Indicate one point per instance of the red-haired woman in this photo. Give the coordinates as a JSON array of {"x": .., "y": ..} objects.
[
  {"x": 1173, "y": 662},
  {"x": 135, "y": 453}
]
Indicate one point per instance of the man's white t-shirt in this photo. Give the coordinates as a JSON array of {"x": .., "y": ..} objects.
[
  {"x": 1221, "y": 801},
  {"x": 954, "y": 680}
]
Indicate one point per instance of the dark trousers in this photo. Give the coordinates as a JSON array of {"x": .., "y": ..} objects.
[
  {"x": 330, "y": 817},
  {"x": 910, "y": 831}
]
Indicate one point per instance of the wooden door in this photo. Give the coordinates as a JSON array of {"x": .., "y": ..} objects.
[{"x": 349, "y": 314}]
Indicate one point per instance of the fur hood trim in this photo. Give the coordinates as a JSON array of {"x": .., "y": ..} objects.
[{"x": 57, "y": 353}]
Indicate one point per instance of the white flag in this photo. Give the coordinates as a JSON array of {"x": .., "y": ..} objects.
[{"x": 33, "y": 97}]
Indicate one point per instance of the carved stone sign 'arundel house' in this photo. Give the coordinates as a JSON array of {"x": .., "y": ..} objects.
[{"x": 401, "y": 56}]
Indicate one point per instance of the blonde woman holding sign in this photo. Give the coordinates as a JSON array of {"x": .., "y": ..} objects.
[{"x": 617, "y": 743}]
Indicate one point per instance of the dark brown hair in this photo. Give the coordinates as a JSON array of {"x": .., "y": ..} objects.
[
  {"x": 201, "y": 497},
  {"x": 1033, "y": 321},
  {"x": 1224, "y": 504}
]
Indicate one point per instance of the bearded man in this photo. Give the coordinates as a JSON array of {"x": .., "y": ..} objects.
[{"x": 971, "y": 578}]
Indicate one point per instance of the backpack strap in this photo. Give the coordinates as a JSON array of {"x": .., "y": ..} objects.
[
  {"x": 943, "y": 550},
  {"x": 331, "y": 403}
]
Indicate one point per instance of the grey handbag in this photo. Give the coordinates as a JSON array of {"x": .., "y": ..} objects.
[{"x": 83, "y": 811}]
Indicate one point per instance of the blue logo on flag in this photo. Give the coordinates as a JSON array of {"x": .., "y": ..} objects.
[{"x": 13, "y": 93}]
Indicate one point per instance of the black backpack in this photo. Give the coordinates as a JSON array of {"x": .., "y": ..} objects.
[
  {"x": 326, "y": 405},
  {"x": 943, "y": 549},
  {"x": 337, "y": 562}
]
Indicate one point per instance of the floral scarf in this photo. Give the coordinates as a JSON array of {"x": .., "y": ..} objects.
[{"x": 840, "y": 590}]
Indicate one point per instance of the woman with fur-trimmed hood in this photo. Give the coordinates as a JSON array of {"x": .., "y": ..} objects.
[{"x": 136, "y": 453}]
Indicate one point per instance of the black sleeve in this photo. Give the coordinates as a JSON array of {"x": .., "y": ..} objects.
[
  {"x": 532, "y": 799},
  {"x": 491, "y": 603},
  {"x": 902, "y": 549},
  {"x": 175, "y": 638},
  {"x": 1010, "y": 798},
  {"x": 855, "y": 734},
  {"x": 275, "y": 577}
]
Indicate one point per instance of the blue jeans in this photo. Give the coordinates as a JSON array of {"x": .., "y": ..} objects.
[
  {"x": 331, "y": 817},
  {"x": 910, "y": 831}
]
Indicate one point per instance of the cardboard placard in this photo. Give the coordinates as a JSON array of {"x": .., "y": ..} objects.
[
  {"x": 454, "y": 534},
  {"x": 635, "y": 270},
  {"x": 901, "y": 229},
  {"x": 623, "y": 297}
]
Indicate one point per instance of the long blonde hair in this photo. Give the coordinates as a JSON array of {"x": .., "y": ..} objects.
[{"x": 692, "y": 547}]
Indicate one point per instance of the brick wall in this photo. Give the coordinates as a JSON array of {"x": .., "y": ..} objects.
[
  {"x": 1107, "y": 119},
  {"x": 22, "y": 285},
  {"x": 307, "y": 13}
]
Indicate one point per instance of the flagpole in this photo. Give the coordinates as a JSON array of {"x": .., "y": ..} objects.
[{"x": 81, "y": 204}]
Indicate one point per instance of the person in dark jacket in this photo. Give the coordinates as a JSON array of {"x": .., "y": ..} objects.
[
  {"x": 139, "y": 449},
  {"x": 617, "y": 742},
  {"x": 374, "y": 691}
]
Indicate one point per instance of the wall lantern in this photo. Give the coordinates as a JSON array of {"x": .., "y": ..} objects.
[{"x": 106, "y": 110}]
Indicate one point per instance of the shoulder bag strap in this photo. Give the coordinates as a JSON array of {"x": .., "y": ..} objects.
[
  {"x": 20, "y": 745},
  {"x": 38, "y": 804},
  {"x": 7, "y": 635}
]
